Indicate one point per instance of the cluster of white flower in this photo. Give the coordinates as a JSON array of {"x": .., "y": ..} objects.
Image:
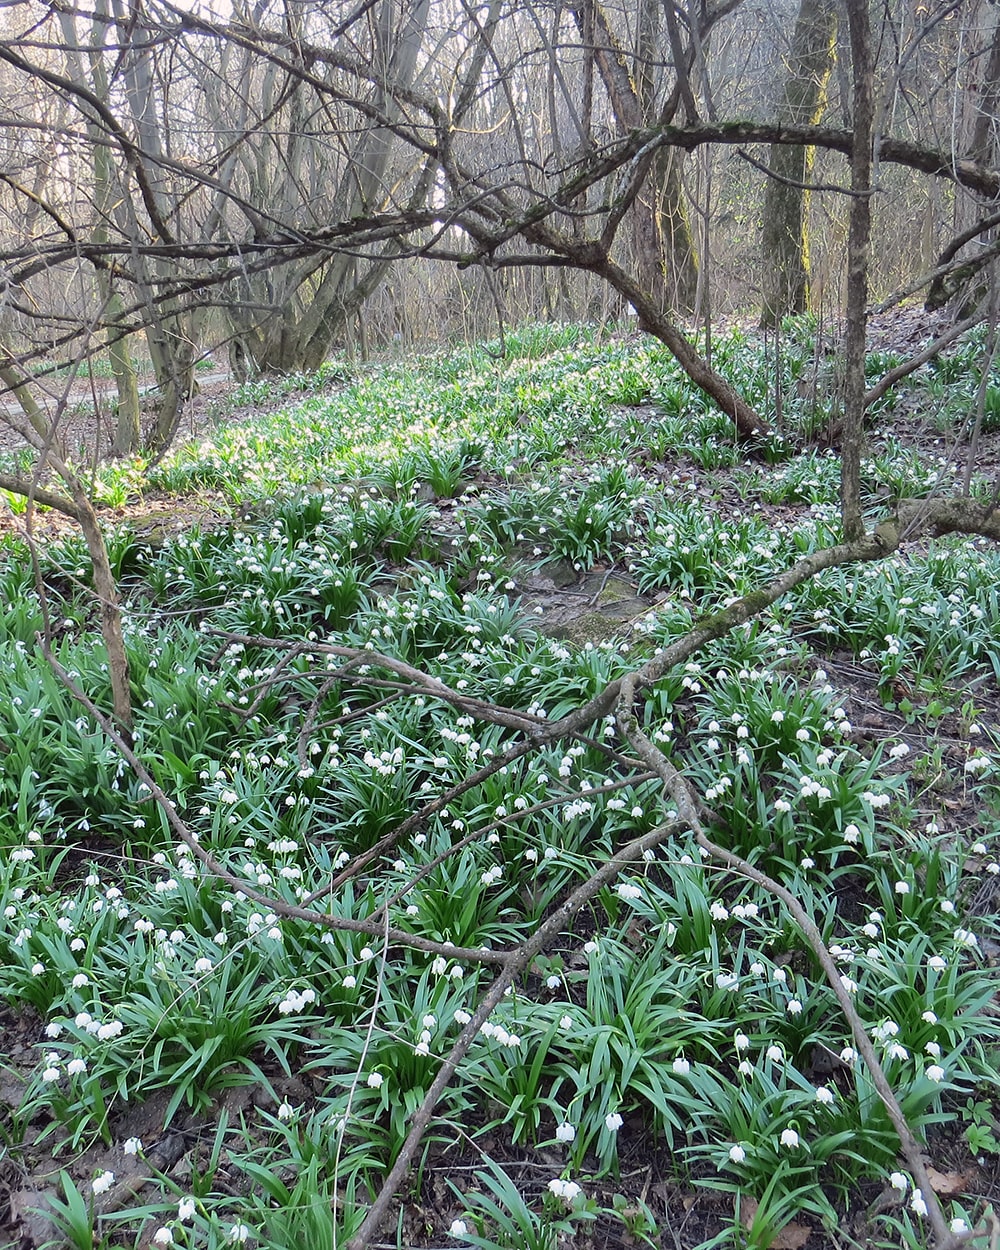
[
  {"x": 296, "y": 1000},
  {"x": 568, "y": 1191},
  {"x": 497, "y": 1033}
]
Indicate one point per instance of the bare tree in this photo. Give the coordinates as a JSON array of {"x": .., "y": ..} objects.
[{"x": 786, "y": 196}]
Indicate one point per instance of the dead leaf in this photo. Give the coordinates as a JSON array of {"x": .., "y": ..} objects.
[
  {"x": 791, "y": 1237},
  {"x": 948, "y": 1183}
]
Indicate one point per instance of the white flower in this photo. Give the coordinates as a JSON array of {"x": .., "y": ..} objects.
[
  {"x": 53, "y": 1029},
  {"x": 375, "y": 1080},
  {"x": 50, "y": 1075},
  {"x": 775, "y": 1054},
  {"x": 902, "y": 887},
  {"x": 568, "y": 1191},
  {"x": 132, "y": 1146},
  {"x": 286, "y": 1111},
  {"x": 793, "y": 1007},
  {"x": 76, "y": 1067},
  {"x": 899, "y": 1182},
  {"x": 727, "y": 981},
  {"x": 203, "y": 965},
  {"x": 628, "y": 892},
  {"x": 101, "y": 1184},
  {"x": 681, "y": 1066},
  {"x": 917, "y": 1204},
  {"x": 613, "y": 1122},
  {"x": 741, "y": 1041},
  {"x": 958, "y": 1225},
  {"x": 565, "y": 1023},
  {"x": 745, "y": 1068},
  {"x": 80, "y": 980},
  {"x": 462, "y": 1017},
  {"x": 934, "y": 1073},
  {"x": 565, "y": 1132},
  {"x": 937, "y": 963},
  {"x": 349, "y": 982},
  {"x": 851, "y": 833},
  {"x": 239, "y": 1233},
  {"x": 185, "y": 1210},
  {"x": 163, "y": 1237},
  {"x": 789, "y": 1138},
  {"x": 737, "y": 1154},
  {"x": 825, "y": 1095},
  {"x": 898, "y": 751},
  {"x": 929, "y": 1017},
  {"x": 458, "y": 1228}
]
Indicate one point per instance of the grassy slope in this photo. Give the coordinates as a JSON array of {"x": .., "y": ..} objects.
[{"x": 845, "y": 738}]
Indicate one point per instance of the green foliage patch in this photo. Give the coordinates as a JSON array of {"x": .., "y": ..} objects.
[{"x": 682, "y": 1014}]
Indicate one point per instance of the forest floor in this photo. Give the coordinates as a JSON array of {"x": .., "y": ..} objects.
[{"x": 576, "y": 588}]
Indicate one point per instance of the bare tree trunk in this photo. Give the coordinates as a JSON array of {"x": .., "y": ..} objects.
[
  {"x": 674, "y": 229},
  {"x": 786, "y": 203},
  {"x": 665, "y": 260},
  {"x": 108, "y": 193},
  {"x": 983, "y": 143},
  {"x": 79, "y": 507},
  {"x": 858, "y": 249}
]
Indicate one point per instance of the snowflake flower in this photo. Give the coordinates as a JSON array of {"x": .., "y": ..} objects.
[
  {"x": 737, "y": 1154},
  {"x": 613, "y": 1122},
  {"x": 789, "y": 1138},
  {"x": 568, "y": 1191},
  {"x": 102, "y": 1183},
  {"x": 565, "y": 1132}
]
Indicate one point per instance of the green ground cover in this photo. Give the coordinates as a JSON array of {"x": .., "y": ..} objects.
[{"x": 678, "y": 1042}]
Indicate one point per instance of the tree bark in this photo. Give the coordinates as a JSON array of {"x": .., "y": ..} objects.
[
  {"x": 858, "y": 249},
  {"x": 786, "y": 206},
  {"x": 665, "y": 256}
]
